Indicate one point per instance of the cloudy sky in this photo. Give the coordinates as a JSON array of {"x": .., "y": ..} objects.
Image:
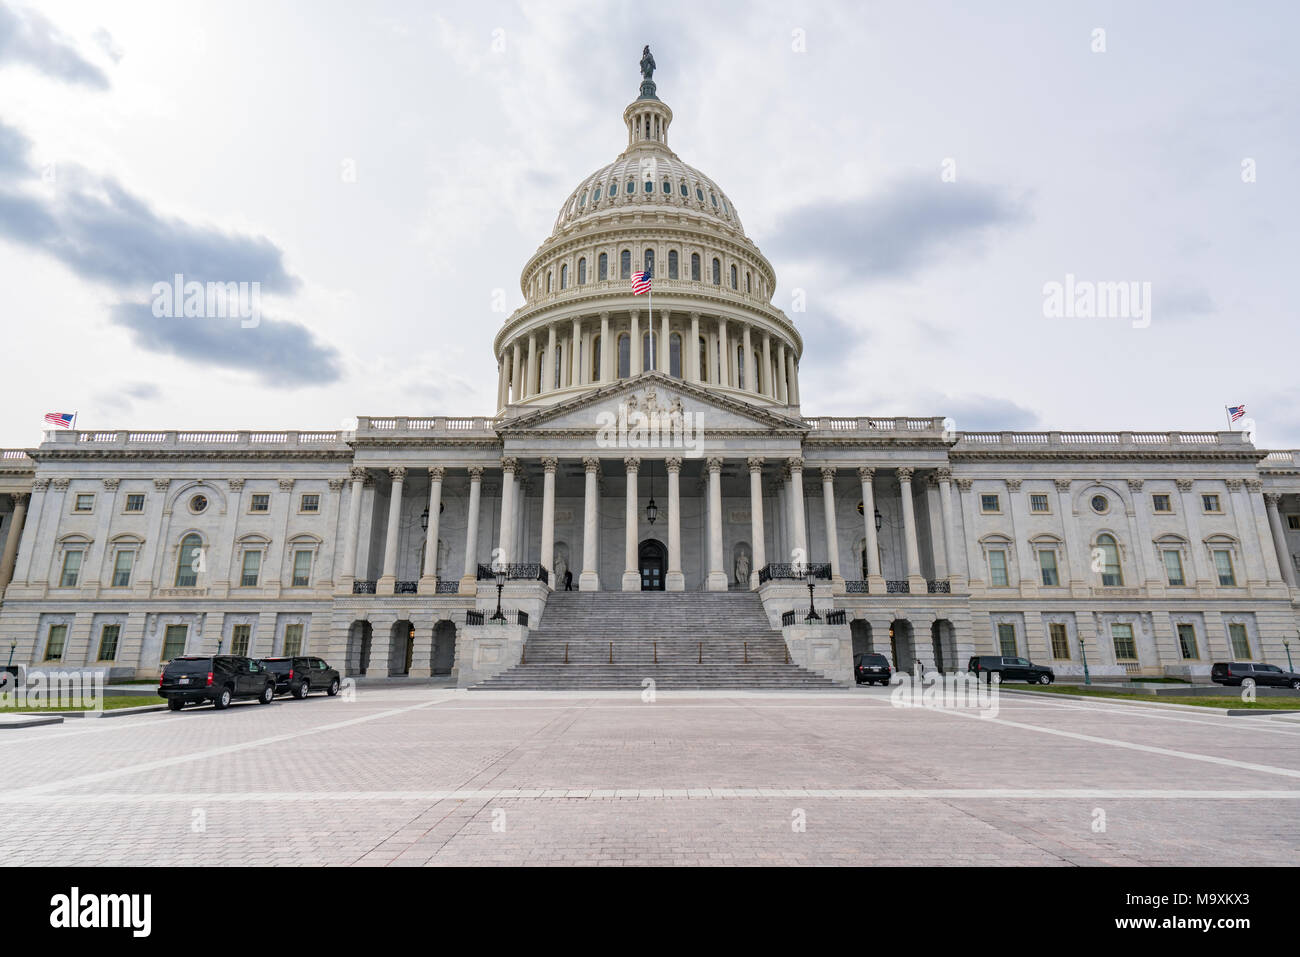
[{"x": 918, "y": 170}]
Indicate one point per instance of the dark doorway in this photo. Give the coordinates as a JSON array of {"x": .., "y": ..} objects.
[
  {"x": 444, "y": 647},
  {"x": 653, "y": 561}
]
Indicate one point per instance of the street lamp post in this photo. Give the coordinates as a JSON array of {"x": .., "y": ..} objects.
[
  {"x": 12, "y": 646},
  {"x": 1083, "y": 650},
  {"x": 810, "y": 578},
  {"x": 1289, "y": 665},
  {"x": 499, "y": 573}
]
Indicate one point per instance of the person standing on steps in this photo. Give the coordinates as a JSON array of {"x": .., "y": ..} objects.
[{"x": 568, "y": 580}]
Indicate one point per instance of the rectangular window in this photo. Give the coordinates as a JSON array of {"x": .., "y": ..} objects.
[
  {"x": 239, "y": 637},
  {"x": 311, "y": 503},
  {"x": 1160, "y": 503},
  {"x": 1210, "y": 503},
  {"x": 1174, "y": 566},
  {"x": 1240, "y": 641},
  {"x": 1047, "y": 565},
  {"x": 998, "y": 567},
  {"x": 122, "y": 564},
  {"x": 55, "y": 641},
  {"x": 1223, "y": 565},
  {"x": 252, "y": 568},
  {"x": 1060, "y": 640},
  {"x": 1121, "y": 635},
  {"x": 1007, "y": 638},
  {"x": 292, "y": 640},
  {"x": 301, "y": 569},
  {"x": 1038, "y": 503},
  {"x": 260, "y": 502},
  {"x": 71, "y": 569},
  {"x": 174, "y": 641},
  {"x": 108, "y": 642},
  {"x": 1293, "y": 522},
  {"x": 85, "y": 502},
  {"x": 135, "y": 502},
  {"x": 1187, "y": 641},
  {"x": 988, "y": 503}
]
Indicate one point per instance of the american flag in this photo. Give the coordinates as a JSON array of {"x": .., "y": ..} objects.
[
  {"x": 1235, "y": 412},
  {"x": 640, "y": 282},
  {"x": 62, "y": 419}
]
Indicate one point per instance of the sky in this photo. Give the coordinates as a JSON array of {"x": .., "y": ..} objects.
[{"x": 918, "y": 173}]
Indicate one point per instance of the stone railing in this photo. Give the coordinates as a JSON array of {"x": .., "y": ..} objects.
[
  {"x": 871, "y": 424},
  {"x": 173, "y": 439},
  {"x": 774, "y": 571},
  {"x": 405, "y": 425},
  {"x": 1288, "y": 458},
  {"x": 16, "y": 458},
  {"x": 979, "y": 441}
]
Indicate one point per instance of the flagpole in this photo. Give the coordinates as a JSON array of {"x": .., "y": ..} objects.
[{"x": 1229, "y": 415}]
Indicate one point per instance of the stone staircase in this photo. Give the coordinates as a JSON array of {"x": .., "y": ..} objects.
[{"x": 683, "y": 640}]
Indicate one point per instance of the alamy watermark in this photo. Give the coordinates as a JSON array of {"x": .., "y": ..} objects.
[
  {"x": 647, "y": 424},
  {"x": 54, "y": 691},
  {"x": 1089, "y": 299},
  {"x": 211, "y": 300},
  {"x": 956, "y": 690}
]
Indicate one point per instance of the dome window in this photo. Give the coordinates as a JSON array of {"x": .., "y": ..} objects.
[
  {"x": 649, "y": 186},
  {"x": 564, "y": 275},
  {"x": 631, "y": 187},
  {"x": 695, "y": 266},
  {"x": 625, "y": 264},
  {"x": 672, "y": 264},
  {"x": 714, "y": 199},
  {"x": 583, "y": 201},
  {"x": 668, "y": 188},
  {"x": 602, "y": 267},
  {"x": 595, "y": 198},
  {"x": 717, "y": 274},
  {"x": 699, "y": 194},
  {"x": 734, "y": 283},
  {"x": 686, "y": 193},
  {"x": 582, "y": 272}
]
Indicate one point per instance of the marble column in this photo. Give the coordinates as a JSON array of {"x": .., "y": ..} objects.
[
  {"x": 916, "y": 582},
  {"x": 724, "y": 364},
  {"x": 750, "y": 383},
  {"x": 799, "y": 531},
  {"x": 1287, "y": 567},
  {"x": 956, "y": 574},
  {"x": 717, "y": 580},
  {"x": 530, "y": 377},
  {"x": 547, "y": 556},
  {"x": 607, "y": 350},
  {"x": 769, "y": 387},
  {"x": 429, "y": 575},
  {"x": 353, "y": 531},
  {"x": 589, "y": 580},
  {"x": 665, "y": 348},
  {"x": 506, "y": 533},
  {"x": 875, "y": 581},
  {"x": 517, "y": 374},
  {"x": 691, "y": 359},
  {"x": 756, "y": 518},
  {"x": 832, "y": 535},
  {"x": 469, "y": 577},
  {"x": 634, "y": 344},
  {"x": 548, "y": 368},
  {"x": 389, "y": 578},
  {"x": 10, "y": 555},
  {"x": 631, "y": 567},
  {"x": 782, "y": 385},
  {"x": 674, "y": 580},
  {"x": 575, "y": 354},
  {"x": 792, "y": 377}
]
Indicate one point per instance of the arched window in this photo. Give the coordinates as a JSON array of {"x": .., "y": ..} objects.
[
  {"x": 649, "y": 186},
  {"x": 559, "y": 366},
  {"x": 717, "y": 272},
  {"x": 685, "y": 192},
  {"x": 649, "y": 261},
  {"x": 675, "y": 355},
  {"x": 1111, "y": 572},
  {"x": 564, "y": 276},
  {"x": 595, "y": 197},
  {"x": 625, "y": 264},
  {"x": 602, "y": 267},
  {"x": 714, "y": 199},
  {"x": 189, "y": 561},
  {"x": 672, "y": 264},
  {"x": 758, "y": 373},
  {"x": 699, "y": 194},
  {"x": 582, "y": 271},
  {"x": 668, "y": 187},
  {"x": 749, "y": 285},
  {"x": 704, "y": 359},
  {"x": 624, "y": 356},
  {"x": 734, "y": 284},
  {"x": 695, "y": 266},
  {"x": 548, "y": 282},
  {"x": 631, "y": 187},
  {"x": 647, "y": 350},
  {"x": 595, "y": 358},
  {"x": 583, "y": 201},
  {"x": 740, "y": 367}
]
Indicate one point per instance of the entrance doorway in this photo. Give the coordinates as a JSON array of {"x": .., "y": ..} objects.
[{"x": 653, "y": 561}]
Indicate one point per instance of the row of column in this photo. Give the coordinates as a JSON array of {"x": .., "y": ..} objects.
[{"x": 529, "y": 366}]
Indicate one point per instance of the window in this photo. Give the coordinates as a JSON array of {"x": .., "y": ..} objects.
[
  {"x": 672, "y": 264},
  {"x": 1236, "y": 633},
  {"x": 1210, "y": 503},
  {"x": 189, "y": 562},
  {"x": 1108, "y": 552},
  {"x": 198, "y": 504},
  {"x": 85, "y": 502},
  {"x": 649, "y": 260},
  {"x": 695, "y": 266},
  {"x": 714, "y": 198},
  {"x": 250, "y": 570},
  {"x": 734, "y": 283},
  {"x": 740, "y": 367},
  {"x": 1223, "y": 565},
  {"x": 685, "y": 192},
  {"x": 1293, "y": 522},
  {"x": 668, "y": 187},
  {"x": 624, "y": 356},
  {"x": 582, "y": 200},
  {"x": 1007, "y": 638},
  {"x": 989, "y": 503},
  {"x": 1160, "y": 503},
  {"x": 717, "y": 271},
  {"x": 647, "y": 350},
  {"x": 292, "y": 640},
  {"x": 54, "y": 642},
  {"x": 174, "y": 641},
  {"x": 260, "y": 502},
  {"x": 309, "y": 503},
  {"x": 564, "y": 276},
  {"x": 675, "y": 356},
  {"x": 548, "y": 282},
  {"x": 625, "y": 264},
  {"x": 749, "y": 283},
  {"x": 1174, "y": 566},
  {"x": 122, "y": 564},
  {"x": 1100, "y": 504},
  {"x": 108, "y": 636},
  {"x": 649, "y": 186},
  {"x": 998, "y": 568},
  {"x": 239, "y": 638},
  {"x": 135, "y": 502},
  {"x": 71, "y": 568},
  {"x": 1047, "y": 565},
  {"x": 1038, "y": 503},
  {"x": 602, "y": 267},
  {"x": 301, "y": 568},
  {"x": 704, "y": 359},
  {"x": 1121, "y": 636},
  {"x": 595, "y": 358},
  {"x": 582, "y": 271},
  {"x": 1060, "y": 640},
  {"x": 699, "y": 194},
  {"x": 1187, "y": 641}
]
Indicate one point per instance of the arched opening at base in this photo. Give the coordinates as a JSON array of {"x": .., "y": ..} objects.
[
  {"x": 943, "y": 639},
  {"x": 401, "y": 647},
  {"x": 444, "y": 647},
  {"x": 902, "y": 647},
  {"x": 360, "y": 634},
  {"x": 652, "y": 559}
]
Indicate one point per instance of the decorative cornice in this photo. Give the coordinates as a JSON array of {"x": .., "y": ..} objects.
[
  {"x": 965, "y": 484},
  {"x": 40, "y": 484},
  {"x": 286, "y": 484},
  {"x": 1184, "y": 485},
  {"x": 1135, "y": 484},
  {"x": 1062, "y": 485}
]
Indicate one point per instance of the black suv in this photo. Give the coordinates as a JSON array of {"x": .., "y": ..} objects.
[
  {"x": 870, "y": 668},
  {"x": 299, "y": 676},
  {"x": 1010, "y": 669},
  {"x": 1253, "y": 673},
  {"x": 216, "y": 678}
]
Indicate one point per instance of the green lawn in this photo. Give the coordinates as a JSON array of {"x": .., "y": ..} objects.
[
  {"x": 109, "y": 704},
  {"x": 1218, "y": 701}
]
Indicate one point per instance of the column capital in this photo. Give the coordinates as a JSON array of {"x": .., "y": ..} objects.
[
  {"x": 1254, "y": 485},
  {"x": 1135, "y": 485},
  {"x": 1233, "y": 484},
  {"x": 550, "y": 464},
  {"x": 693, "y": 316},
  {"x": 286, "y": 484},
  {"x": 509, "y": 464},
  {"x": 866, "y": 472},
  {"x": 41, "y": 484},
  {"x": 1013, "y": 484},
  {"x": 590, "y": 463},
  {"x": 20, "y": 498},
  {"x": 943, "y": 474},
  {"x": 111, "y": 483},
  {"x": 828, "y": 473},
  {"x": 437, "y": 473},
  {"x": 358, "y": 474},
  {"x": 673, "y": 463},
  {"x": 397, "y": 473},
  {"x": 605, "y": 316},
  {"x": 1062, "y": 485},
  {"x": 905, "y": 474},
  {"x": 1272, "y": 499},
  {"x": 713, "y": 463},
  {"x": 1184, "y": 485},
  {"x": 755, "y": 463},
  {"x": 61, "y": 483},
  {"x": 965, "y": 484},
  {"x": 794, "y": 464},
  {"x": 335, "y": 484},
  {"x": 475, "y": 473},
  {"x": 632, "y": 463}
]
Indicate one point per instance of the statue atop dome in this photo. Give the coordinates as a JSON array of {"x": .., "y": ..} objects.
[{"x": 647, "y": 74}]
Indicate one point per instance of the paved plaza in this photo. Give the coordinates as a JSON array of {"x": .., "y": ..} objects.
[{"x": 420, "y": 776}]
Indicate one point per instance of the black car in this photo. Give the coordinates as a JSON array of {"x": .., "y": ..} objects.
[
  {"x": 1008, "y": 668},
  {"x": 870, "y": 668},
  {"x": 192, "y": 679},
  {"x": 300, "y": 676},
  {"x": 1252, "y": 673}
]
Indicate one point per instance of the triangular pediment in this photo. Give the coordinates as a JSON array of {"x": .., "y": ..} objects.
[{"x": 657, "y": 399}]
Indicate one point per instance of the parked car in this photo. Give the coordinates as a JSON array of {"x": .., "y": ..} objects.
[
  {"x": 192, "y": 679},
  {"x": 870, "y": 668},
  {"x": 1252, "y": 673},
  {"x": 1008, "y": 668},
  {"x": 300, "y": 676}
]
